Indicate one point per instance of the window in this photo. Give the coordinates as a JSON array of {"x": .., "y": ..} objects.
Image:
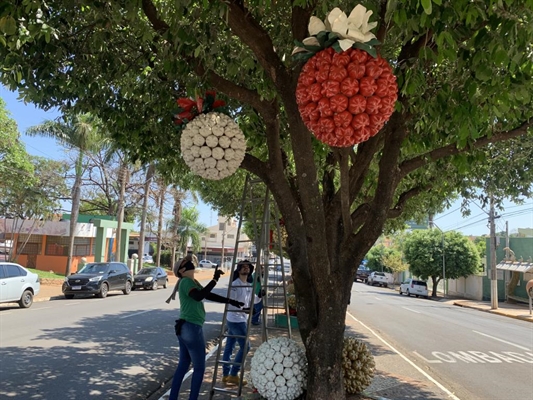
[
  {"x": 13, "y": 271},
  {"x": 32, "y": 246},
  {"x": 2, "y": 274},
  {"x": 221, "y": 226},
  {"x": 58, "y": 246},
  {"x": 231, "y": 236},
  {"x": 212, "y": 236}
]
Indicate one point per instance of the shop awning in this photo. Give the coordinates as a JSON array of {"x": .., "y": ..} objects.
[{"x": 515, "y": 266}]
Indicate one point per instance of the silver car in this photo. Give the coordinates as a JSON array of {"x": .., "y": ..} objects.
[{"x": 17, "y": 284}]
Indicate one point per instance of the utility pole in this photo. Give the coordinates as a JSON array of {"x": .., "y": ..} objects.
[
  {"x": 493, "y": 273},
  {"x": 123, "y": 176},
  {"x": 223, "y": 237}
]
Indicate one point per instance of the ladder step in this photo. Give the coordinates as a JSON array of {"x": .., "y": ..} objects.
[
  {"x": 222, "y": 390},
  {"x": 235, "y": 336},
  {"x": 229, "y": 362}
]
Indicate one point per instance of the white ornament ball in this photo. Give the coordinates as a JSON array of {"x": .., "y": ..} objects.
[
  {"x": 283, "y": 379},
  {"x": 213, "y": 146}
]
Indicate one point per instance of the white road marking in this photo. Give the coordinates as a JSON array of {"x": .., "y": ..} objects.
[
  {"x": 503, "y": 341},
  {"x": 450, "y": 394},
  {"x": 132, "y": 315},
  {"x": 39, "y": 309},
  {"x": 409, "y": 309},
  {"x": 377, "y": 298},
  {"x": 71, "y": 304}
]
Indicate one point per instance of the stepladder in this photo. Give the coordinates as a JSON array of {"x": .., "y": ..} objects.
[{"x": 262, "y": 286}]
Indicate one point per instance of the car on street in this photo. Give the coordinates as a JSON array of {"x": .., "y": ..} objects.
[
  {"x": 150, "y": 278},
  {"x": 377, "y": 278},
  {"x": 362, "y": 274},
  {"x": 207, "y": 264},
  {"x": 17, "y": 284},
  {"x": 414, "y": 287},
  {"x": 148, "y": 259},
  {"x": 98, "y": 278}
]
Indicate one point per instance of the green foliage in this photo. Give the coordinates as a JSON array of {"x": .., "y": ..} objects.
[
  {"x": 382, "y": 258},
  {"x": 166, "y": 259},
  {"x": 190, "y": 230},
  {"x": 36, "y": 194},
  {"x": 423, "y": 252}
]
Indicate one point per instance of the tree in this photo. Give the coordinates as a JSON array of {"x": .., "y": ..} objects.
[
  {"x": 35, "y": 196},
  {"x": 15, "y": 165},
  {"x": 190, "y": 230},
  {"x": 79, "y": 132},
  {"x": 423, "y": 252},
  {"x": 464, "y": 74}
]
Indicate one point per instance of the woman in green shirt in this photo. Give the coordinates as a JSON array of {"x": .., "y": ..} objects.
[{"x": 189, "y": 328}]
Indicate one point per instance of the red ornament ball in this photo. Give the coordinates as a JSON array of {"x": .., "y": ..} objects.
[{"x": 346, "y": 98}]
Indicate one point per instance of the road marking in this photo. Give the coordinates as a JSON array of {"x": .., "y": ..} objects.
[
  {"x": 440, "y": 386},
  {"x": 503, "y": 341},
  {"x": 409, "y": 309},
  {"x": 71, "y": 304},
  {"x": 38, "y": 309},
  {"x": 377, "y": 298},
  {"x": 138, "y": 313}
]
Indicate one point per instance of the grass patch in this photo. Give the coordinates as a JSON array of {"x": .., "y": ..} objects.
[{"x": 47, "y": 274}]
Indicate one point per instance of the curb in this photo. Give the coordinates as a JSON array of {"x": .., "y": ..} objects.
[{"x": 497, "y": 312}]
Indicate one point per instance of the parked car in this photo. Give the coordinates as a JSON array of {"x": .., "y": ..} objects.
[
  {"x": 377, "y": 278},
  {"x": 207, "y": 264},
  {"x": 414, "y": 286},
  {"x": 148, "y": 259},
  {"x": 99, "y": 279},
  {"x": 150, "y": 278},
  {"x": 17, "y": 284},
  {"x": 362, "y": 274}
]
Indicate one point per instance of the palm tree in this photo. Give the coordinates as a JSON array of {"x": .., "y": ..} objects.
[
  {"x": 190, "y": 230},
  {"x": 79, "y": 132}
]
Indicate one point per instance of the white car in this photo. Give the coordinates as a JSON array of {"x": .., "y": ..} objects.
[
  {"x": 207, "y": 264},
  {"x": 148, "y": 259},
  {"x": 414, "y": 287},
  {"x": 18, "y": 285}
]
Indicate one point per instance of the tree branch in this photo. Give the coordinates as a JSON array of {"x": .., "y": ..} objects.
[
  {"x": 409, "y": 166},
  {"x": 383, "y": 27},
  {"x": 397, "y": 210},
  {"x": 151, "y": 13},
  {"x": 243, "y": 24}
]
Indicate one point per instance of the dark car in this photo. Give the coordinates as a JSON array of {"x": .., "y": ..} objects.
[
  {"x": 98, "y": 279},
  {"x": 150, "y": 278},
  {"x": 362, "y": 274}
]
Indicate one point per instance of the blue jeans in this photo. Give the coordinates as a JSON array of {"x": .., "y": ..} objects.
[
  {"x": 234, "y": 328},
  {"x": 256, "y": 317},
  {"x": 192, "y": 349}
]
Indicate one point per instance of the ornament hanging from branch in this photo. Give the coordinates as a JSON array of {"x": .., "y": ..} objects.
[
  {"x": 346, "y": 92},
  {"x": 212, "y": 144}
]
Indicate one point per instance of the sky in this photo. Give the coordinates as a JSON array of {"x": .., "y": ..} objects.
[{"x": 517, "y": 216}]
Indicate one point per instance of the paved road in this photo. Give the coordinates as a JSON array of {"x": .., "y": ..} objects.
[
  {"x": 120, "y": 347},
  {"x": 473, "y": 355}
]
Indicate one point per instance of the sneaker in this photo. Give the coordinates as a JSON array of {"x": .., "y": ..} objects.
[{"x": 234, "y": 380}]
